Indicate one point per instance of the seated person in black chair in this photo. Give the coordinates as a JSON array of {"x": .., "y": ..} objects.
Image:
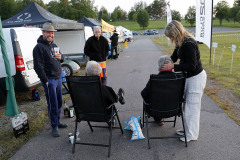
[
  {"x": 146, "y": 91},
  {"x": 109, "y": 96}
]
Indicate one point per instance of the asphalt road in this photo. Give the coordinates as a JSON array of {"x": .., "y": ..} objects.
[{"x": 219, "y": 135}]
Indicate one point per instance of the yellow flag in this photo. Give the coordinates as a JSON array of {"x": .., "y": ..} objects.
[{"x": 107, "y": 27}]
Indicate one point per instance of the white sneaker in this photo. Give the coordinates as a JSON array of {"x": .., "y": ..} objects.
[
  {"x": 180, "y": 132},
  {"x": 188, "y": 140}
]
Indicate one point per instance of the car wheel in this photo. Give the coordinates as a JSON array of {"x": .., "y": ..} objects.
[
  {"x": 68, "y": 69},
  {"x": 76, "y": 61}
]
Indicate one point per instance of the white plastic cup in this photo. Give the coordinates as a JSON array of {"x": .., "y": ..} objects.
[{"x": 56, "y": 51}]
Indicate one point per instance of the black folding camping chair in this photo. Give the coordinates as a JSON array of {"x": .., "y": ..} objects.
[
  {"x": 166, "y": 98},
  {"x": 87, "y": 99}
]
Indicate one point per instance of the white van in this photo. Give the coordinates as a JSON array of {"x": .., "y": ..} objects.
[
  {"x": 128, "y": 36},
  {"x": 20, "y": 42}
]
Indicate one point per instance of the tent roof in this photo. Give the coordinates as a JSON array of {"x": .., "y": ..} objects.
[
  {"x": 35, "y": 15},
  {"x": 89, "y": 22}
]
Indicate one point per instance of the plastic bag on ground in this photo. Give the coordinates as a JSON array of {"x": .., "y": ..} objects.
[{"x": 134, "y": 125}]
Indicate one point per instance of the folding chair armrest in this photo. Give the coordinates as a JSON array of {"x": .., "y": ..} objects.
[
  {"x": 109, "y": 107},
  {"x": 184, "y": 100},
  {"x": 145, "y": 103}
]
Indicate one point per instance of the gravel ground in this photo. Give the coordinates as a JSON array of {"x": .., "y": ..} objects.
[{"x": 225, "y": 96}]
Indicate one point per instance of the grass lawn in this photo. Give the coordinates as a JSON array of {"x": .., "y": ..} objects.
[{"x": 160, "y": 24}]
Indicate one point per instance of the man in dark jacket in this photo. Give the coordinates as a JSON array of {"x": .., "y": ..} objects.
[
  {"x": 47, "y": 64},
  {"x": 114, "y": 44},
  {"x": 146, "y": 91},
  {"x": 97, "y": 48}
]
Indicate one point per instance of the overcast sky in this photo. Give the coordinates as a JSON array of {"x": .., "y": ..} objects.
[{"x": 179, "y": 5}]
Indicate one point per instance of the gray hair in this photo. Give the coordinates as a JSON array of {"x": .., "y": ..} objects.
[
  {"x": 96, "y": 27},
  {"x": 93, "y": 68},
  {"x": 163, "y": 60}
]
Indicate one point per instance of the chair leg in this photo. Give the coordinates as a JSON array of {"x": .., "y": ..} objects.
[
  {"x": 110, "y": 140},
  {"x": 147, "y": 132},
  {"x": 175, "y": 121},
  {"x": 119, "y": 123},
  {"x": 74, "y": 140},
  {"x": 184, "y": 129},
  {"x": 143, "y": 117},
  {"x": 90, "y": 126}
]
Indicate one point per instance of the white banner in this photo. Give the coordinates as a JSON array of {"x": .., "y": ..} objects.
[
  {"x": 204, "y": 21},
  {"x": 169, "y": 14}
]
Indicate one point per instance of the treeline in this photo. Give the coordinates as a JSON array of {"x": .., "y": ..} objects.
[
  {"x": 140, "y": 11},
  {"x": 73, "y": 9},
  {"x": 221, "y": 10}
]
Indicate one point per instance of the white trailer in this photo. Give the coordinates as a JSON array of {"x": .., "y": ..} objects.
[{"x": 71, "y": 44}]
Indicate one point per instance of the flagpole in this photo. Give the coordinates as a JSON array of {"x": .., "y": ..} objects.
[
  {"x": 211, "y": 36},
  {"x": 11, "y": 103}
]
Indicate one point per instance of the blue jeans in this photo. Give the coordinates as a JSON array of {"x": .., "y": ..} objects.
[{"x": 53, "y": 93}]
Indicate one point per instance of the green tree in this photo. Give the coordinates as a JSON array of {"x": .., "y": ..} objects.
[
  {"x": 53, "y": 7},
  {"x": 176, "y": 15},
  {"x": 134, "y": 17},
  {"x": 233, "y": 13},
  {"x": 7, "y": 8},
  {"x": 40, "y": 2},
  {"x": 143, "y": 18},
  {"x": 236, "y": 3},
  {"x": 114, "y": 16},
  {"x": 86, "y": 8},
  {"x": 103, "y": 14},
  {"x": 125, "y": 15},
  {"x": 63, "y": 9},
  {"x": 130, "y": 15},
  {"x": 118, "y": 14},
  {"x": 139, "y": 6},
  {"x": 190, "y": 17},
  {"x": 221, "y": 10},
  {"x": 238, "y": 16},
  {"x": 157, "y": 9}
]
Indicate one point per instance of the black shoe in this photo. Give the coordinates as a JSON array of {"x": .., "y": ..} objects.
[
  {"x": 115, "y": 57},
  {"x": 121, "y": 96},
  {"x": 159, "y": 121},
  {"x": 55, "y": 132},
  {"x": 60, "y": 125}
]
